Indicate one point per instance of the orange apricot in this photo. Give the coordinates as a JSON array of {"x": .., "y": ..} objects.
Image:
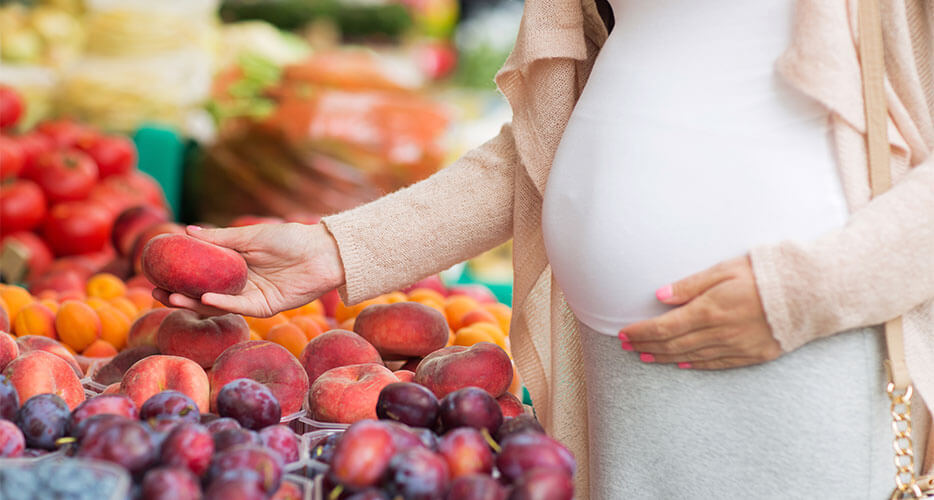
[
  {"x": 95, "y": 302},
  {"x": 344, "y": 312},
  {"x": 35, "y": 319},
  {"x": 478, "y": 316},
  {"x": 308, "y": 325},
  {"x": 347, "y": 324},
  {"x": 125, "y": 306},
  {"x": 77, "y": 324},
  {"x": 420, "y": 294},
  {"x": 140, "y": 298},
  {"x": 115, "y": 326},
  {"x": 456, "y": 307},
  {"x": 16, "y": 298},
  {"x": 289, "y": 336},
  {"x": 313, "y": 307},
  {"x": 100, "y": 348},
  {"x": 491, "y": 329},
  {"x": 468, "y": 336},
  {"x": 105, "y": 286},
  {"x": 263, "y": 325},
  {"x": 502, "y": 313},
  {"x": 395, "y": 297},
  {"x": 255, "y": 336},
  {"x": 51, "y": 304}
]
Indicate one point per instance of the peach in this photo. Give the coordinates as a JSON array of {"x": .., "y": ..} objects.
[
  {"x": 154, "y": 374},
  {"x": 15, "y": 298},
  {"x": 113, "y": 371},
  {"x": 5, "y": 325},
  {"x": 265, "y": 362},
  {"x": 184, "y": 333},
  {"x": 139, "y": 282},
  {"x": 336, "y": 348},
  {"x": 180, "y": 263},
  {"x": 510, "y": 405},
  {"x": 143, "y": 330},
  {"x": 38, "y": 372},
  {"x": 131, "y": 223},
  {"x": 347, "y": 394},
  {"x": 8, "y": 349},
  {"x": 402, "y": 330},
  {"x": 404, "y": 375},
  {"x": 484, "y": 365},
  {"x": 62, "y": 281},
  {"x": 148, "y": 234},
  {"x": 39, "y": 343},
  {"x": 35, "y": 319},
  {"x": 112, "y": 389}
]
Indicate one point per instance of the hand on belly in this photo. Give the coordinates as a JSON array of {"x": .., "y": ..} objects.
[{"x": 719, "y": 322}]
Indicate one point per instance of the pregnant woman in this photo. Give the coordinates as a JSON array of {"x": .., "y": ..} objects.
[{"x": 699, "y": 270}]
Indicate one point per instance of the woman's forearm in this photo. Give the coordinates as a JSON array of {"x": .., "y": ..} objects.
[
  {"x": 455, "y": 214},
  {"x": 880, "y": 265}
]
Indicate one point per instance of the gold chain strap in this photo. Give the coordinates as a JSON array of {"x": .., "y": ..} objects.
[{"x": 906, "y": 486}]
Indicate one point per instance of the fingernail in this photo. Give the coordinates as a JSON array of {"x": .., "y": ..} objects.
[
  {"x": 684, "y": 365},
  {"x": 627, "y": 346},
  {"x": 664, "y": 293},
  {"x": 623, "y": 337},
  {"x": 647, "y": 358},
  {"x": 194, "y": 228}
]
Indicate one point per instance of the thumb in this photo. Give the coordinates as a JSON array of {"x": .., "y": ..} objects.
[
  {"x": 231, "y": 237},
  {"x": 687, "y": 289}
]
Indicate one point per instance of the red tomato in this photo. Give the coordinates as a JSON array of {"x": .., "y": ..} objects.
[
  {"x": 22, "y": 206},
  {"x": 11, "y": 157},
  {"x": 77, "y": 227},
  {"x": 113, "y": 198},
  {"x": 113, "y": 154},
  {"x": 11, "y": 106},
  {"x": 66, "y": 175},
  {"x": 39, "y": 254},
  {"x": 33, "y": 146},
  {"x": 66, "y": 133},
  {"x": 144, "y": 186}
]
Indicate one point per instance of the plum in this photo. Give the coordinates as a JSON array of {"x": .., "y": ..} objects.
[
  {"x": 515, "y": 425},
  {"x": 323, "y": 450},
  {"x": 428, "y": 437},
  {"x": 476, "y": 487},
  {"x": 229, "y": 438},
  {"x": 281, "y": 440},
  {"x": 250, "y": 403},
  {"x": 471, "y": 407},
  {"x": 43, "y": 419},
  {"x": 189, "y": 446},
  {"x": 221, "y": 424},
  {"x": 170, "y": 483},
  {"x": 249, "y": 457},
  {"x": 409, "y": 403},
  {"x": 466, "y": 452},
  {"x": 93, "y": 424},
  {"x": 525, "y": 451},
  {"x": 12, "y": 441},
  {"x": 160, "y": 427},
  {"x": 125, "y": 443},
  {"x": 241, "y": 485},
  {"x": 9, "y": 399},
  {"x": 543, "y": 484},
  {"x": 207, "y": 418},
  {"x": 403, "y": 436},
  {"x": 369, "y": 494},
  {"x": 170, "y": 403},
  {"x": 362, "y": 454},
  {"x": 418, "y": 474},
  {"x": 109, "y": 404}
]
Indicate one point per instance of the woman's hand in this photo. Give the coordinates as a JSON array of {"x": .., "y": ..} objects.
[
  {"x": 720, "y": 322},
  {"x": 289, "y": 265}
]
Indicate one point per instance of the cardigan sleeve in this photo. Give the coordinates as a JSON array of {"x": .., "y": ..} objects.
[
  {"x": 875, "y": 268},
  {"x": 457, "y": 213}
]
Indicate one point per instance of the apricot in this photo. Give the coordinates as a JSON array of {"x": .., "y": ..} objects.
[
  {"x": 180, "y": 263},
  {"x": 35, "y": 319},
  {"x": 478, "y": 316},
  {"x": 343, "y": 312},
  {"x": 289, "y": 336},
  {"x": 51, "y": 304},
  {"x": 115, "y": 326},
  {"x": 458, "y": 306},
  {"x": 15, "y": 298},
  {"x": 105, "y": 286},
  {"x": 420, "y": 294},
  {"x": 395, "y": 297},
  {"x": 502, "y": 313},
  {"x": 125, "y": 306},
  {"x": 477, "y": 330},
  {"x": 77, "y": 324},
  {"x": 308, "y": 325},
  {"x": 140, "y": 298},
  {"x": 313, "y": 307},
  {"x": 100, "y": 348},
  {"x": 263, "y": 325}
]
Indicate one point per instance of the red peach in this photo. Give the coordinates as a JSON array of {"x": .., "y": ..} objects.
[
  {"x": 8, "y": 349},
  {"x": 336, "y": 348},
  {"x": 347, "y": 394},
  {"x": 265, "y": 362},
  {"x": 29, "y": 343},
  {"x": 180, "y": 263},
  {"x": 155, "y": 374},
  {"x": 510, "y": 405},
  {"x": 403, "y": 330},
  {"x": 148, "y": 234},
  {"x": 185, "y": 333},
  {"x": 38, "y": 372},
  {"x": 404, "y": 375},
  {"x": 143, "y": 330},
  {"x": 131, "y": 223},
  {"x": 484, "y": 365}
]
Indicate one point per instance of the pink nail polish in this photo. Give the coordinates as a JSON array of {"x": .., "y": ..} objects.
[
  {"x": 194, "y": 228},
  {"x": 623, "y": 337},
  {"x": 627, "y": 346},
  {"x": 684, "y": 365},
  {"x": 647, "y": 358},
  {"x": 664, "y": 293}
]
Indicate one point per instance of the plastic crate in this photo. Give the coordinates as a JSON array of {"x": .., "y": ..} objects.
[
  {"x": 116, "y": 478},
  {"x": 304, "y": 487}
]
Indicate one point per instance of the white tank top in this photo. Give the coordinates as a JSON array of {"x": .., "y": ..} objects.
[{"x": 685, "y": 149}]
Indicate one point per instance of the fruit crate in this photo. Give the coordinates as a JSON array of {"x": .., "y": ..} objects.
[
  {"x": 304, "y": 488},
  {"x": 58, "y": 470},
  {"x": 306, "y": 468},
  {"x": 90, "y": 386}
]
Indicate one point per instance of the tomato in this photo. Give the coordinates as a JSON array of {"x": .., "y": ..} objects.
[
  {"x": 113, "y": 198},
  {"x": 11, "y": 157},
  {"x": 77, "y": 227},
  {"x": 11, "y": 106},
  {"x": 39, "y": 255},
  {"x": 145, "y": 187},
  {"x": 22, "y": 206},
  {"x": 113, "y": 154},
  {"x": 66, "y": 175},
  {"x": 436, "y": 60},
  {"x": 66, "y": 133},
  {"x": 33, "y": 146}
]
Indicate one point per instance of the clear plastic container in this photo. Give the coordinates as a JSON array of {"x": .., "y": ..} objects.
[
  {"x": 56, "y": 469},
  {"x": 299, "y": 488},
  {"x": 309, "y": 424}
]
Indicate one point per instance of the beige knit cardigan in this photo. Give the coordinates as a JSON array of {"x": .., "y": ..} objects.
[{"x": 880, "y": 265}]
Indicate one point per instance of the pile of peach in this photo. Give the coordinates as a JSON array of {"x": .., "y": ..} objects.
[{"x": 94, "y": 322}]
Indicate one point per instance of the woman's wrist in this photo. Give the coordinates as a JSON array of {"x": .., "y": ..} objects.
[{"x": 327, "y": 250}]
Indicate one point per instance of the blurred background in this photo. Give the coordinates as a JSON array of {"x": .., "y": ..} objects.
[{"x": 245, "y": 111}]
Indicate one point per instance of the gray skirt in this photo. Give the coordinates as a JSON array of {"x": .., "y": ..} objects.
[{"x": 814, "y": 423}]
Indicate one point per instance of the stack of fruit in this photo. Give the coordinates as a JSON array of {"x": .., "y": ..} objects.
[
  {"x": 168, "y": 446},
  {"x": 64, "y": 185},
  {"x": 423, "y": 448}
]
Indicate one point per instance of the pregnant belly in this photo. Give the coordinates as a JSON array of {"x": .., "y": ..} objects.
[{"x": 633, "y": 204}]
